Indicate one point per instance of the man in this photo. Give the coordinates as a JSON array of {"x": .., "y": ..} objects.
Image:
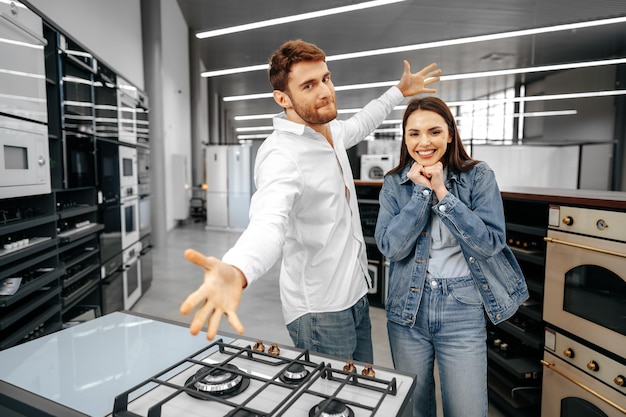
[{"x": 305, "y": 209}]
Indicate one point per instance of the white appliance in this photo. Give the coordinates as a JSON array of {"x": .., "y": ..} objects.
[
  {"x": 24, "y": 155},
  {"x": 239, "y": 192},
  {"x": 216, "y": 164},
  {"x": 374, "y": 167}
]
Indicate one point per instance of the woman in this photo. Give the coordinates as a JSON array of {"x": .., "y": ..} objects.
[{"x": 441, "y": 225}]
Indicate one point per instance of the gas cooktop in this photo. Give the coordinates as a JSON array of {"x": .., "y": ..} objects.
[{"x": 241, "y": 378}]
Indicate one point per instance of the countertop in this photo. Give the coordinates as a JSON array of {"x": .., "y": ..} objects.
[{"x": 85, "y": 366}]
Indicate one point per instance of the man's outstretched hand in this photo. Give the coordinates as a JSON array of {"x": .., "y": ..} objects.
[{"x": 219, "y": 294}]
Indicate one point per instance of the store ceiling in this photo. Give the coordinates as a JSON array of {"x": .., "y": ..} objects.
[{"x": 405, "y": 23}]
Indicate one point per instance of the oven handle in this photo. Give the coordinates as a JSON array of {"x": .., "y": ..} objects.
[
  {"x": 25, "y": 28},
  {"x": 551, "y": 365},
  {"x": 591, "y": 248}
]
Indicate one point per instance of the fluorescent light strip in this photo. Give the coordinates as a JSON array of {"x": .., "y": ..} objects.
[
  {"x": 437, "y": 44},
  {"x": 588, "y": 94},
  {"x": 495, "y": 73},
  {"x": 293, "y": 18}
]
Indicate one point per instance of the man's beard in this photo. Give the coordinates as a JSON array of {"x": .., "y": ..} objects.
[{"x": 311, "y": 116}]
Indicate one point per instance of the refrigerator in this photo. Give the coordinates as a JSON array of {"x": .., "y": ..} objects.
[
  {"x": 216, "y": 163},
  {"x": 239, "y": 185}
]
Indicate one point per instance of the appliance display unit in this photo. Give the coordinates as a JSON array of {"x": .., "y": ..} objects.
[
  {"x": 144, "y": 364},
  {"x": 238, "y": 186},
  {"x": 374, "y": 167},
  {"x": 24, "y": 153},
  {"x": 216, "y": 164}
]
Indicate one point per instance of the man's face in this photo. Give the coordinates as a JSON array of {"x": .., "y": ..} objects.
[{"x": 311, "y": 94}]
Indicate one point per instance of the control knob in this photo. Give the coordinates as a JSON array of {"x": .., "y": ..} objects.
[
  {"x": 620, "y": 380},
  {"x": 593, "y": 366},
  {"x": 569, "y": 353},
  {"x": 568, "y": 220}
]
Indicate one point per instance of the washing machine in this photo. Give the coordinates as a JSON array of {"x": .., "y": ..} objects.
[{"x": 374, "y": 167}]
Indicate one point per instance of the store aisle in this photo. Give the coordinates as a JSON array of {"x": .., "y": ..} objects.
[{"x": 259, "y": 311}]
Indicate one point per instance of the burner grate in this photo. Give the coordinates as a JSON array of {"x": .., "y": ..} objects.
[{"x": 230, "y": 353}]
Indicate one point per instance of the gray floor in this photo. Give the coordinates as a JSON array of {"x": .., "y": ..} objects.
[{"x": 259, "y": 311}]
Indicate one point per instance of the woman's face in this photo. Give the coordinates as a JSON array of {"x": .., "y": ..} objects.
[{"x": 426, "y": 136}]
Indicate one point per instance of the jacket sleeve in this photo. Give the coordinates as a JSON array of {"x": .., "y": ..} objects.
[
  {"x": 479, "y": 228},
  {"x": 399, "y": 223}
]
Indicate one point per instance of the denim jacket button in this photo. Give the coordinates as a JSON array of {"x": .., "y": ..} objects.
[
  {"x": 472, "y": 259},
  {"x": 442, "y": 208},
  {"x": 485, "y": 287},
  {"x": 426, "y": 192},
  {"x": 498, "y": 316}
]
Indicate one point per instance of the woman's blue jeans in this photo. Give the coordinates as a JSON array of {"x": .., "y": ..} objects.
[
  {"x": 450, "y": 327},
  {"x": 345, "y": 334}
]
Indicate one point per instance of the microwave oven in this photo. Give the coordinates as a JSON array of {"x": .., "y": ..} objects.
[{"x": 24, "y": 158}]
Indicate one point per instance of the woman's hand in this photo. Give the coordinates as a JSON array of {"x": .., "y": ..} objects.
[
  {"x": 429, "y": 176},
  {"x": 219, "y": 294}
]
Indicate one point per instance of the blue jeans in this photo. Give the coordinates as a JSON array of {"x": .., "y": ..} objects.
[
  {"x": 345, "y": 334},
  {"x": 450, "y": 327}
]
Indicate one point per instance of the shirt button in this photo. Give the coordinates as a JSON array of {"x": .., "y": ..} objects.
[
  {"x": 433, "y": 284},
  {"x": 442, "y": 208},
  {"x": 485, "y": 287}
]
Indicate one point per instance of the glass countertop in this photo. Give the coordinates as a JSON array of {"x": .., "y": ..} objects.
[{"x": 85, "y": 366}]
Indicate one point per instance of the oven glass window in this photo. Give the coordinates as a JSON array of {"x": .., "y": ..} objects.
[
  {"x": 130, "y": 223},
  {"x": 598, "y": 295},
  {"x": 15, "y": 157},
  {"x": 577, "y": 407},
  {"x": 127, "y": 167},
  {"x": 133, "y": 278}
]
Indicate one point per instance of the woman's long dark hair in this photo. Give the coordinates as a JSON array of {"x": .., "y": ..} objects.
[{"x": 455, "y": 158}]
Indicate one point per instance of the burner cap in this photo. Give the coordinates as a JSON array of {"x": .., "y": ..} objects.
[
  {"x": 242, "y": 413},
  {"x": 331, "y": 408},
  {"x": 224, "y": 382},
  {"x": 294, "y": 374}
]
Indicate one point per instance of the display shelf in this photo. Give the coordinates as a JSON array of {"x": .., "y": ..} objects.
[
  {"x": 45, "y": 319},
  {"x": 28, "y": 305},
  {"x": 29, "y": 288}
]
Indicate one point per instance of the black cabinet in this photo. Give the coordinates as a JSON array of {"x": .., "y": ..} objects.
[
  {"x": 515, "y": 347},
  {"x": 29, "y": 264}
]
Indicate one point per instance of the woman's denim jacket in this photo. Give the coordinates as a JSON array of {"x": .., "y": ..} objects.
[{"x": 473, "y": 212}]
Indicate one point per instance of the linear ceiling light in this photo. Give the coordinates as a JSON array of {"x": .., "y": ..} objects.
[
  {"x": 293, "y": 18},
  {"x": 495, "y": 73},
  {"x": 588, "y": 94},
  {"x": 437, "y": 44}
]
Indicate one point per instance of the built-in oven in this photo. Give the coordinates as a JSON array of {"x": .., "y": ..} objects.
[
  {"x": 579, "y": 381},
  {"x": 129, "y": 220},
  {"x": 585, "y": 312},
  {"x": 585, "y": 285},
  {"x": 131, "y": 275},
  {"x": 79, "y": 162},
  {"x": 142, "y": 119},
  {"x": 105, "y": 103},
  {"x": 126, "y": 105},
  {"x": 78, "y": 68},
  {"x": 24, "y": 158}
]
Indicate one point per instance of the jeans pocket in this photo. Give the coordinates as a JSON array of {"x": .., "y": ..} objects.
[
  {"x": 293, "y": 329},
  {"x": 467, "y": 295}
]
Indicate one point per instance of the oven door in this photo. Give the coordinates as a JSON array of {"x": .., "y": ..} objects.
[
  {"x": 126, "y": 104},
  {"x": 563, "y": 394},
  {"x": 131, "y": 275},
  {"x": 585, "y": 288},
  {"x": 129, "y": 216},
  {"x": 128, "y": 166}
]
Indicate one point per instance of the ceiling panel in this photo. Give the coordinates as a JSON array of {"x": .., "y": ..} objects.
[{"x": 406, "y": 23}]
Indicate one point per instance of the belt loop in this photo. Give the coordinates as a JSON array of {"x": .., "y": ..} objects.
[{"x": 443, "y": 283}]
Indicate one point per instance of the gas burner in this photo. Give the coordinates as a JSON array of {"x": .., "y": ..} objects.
[
  {"x": 331, "y": 408},
  {"x": 242, "y": 413},
  {"x": 294, "y": 374},
  {"x": 224, "y": 382}
]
